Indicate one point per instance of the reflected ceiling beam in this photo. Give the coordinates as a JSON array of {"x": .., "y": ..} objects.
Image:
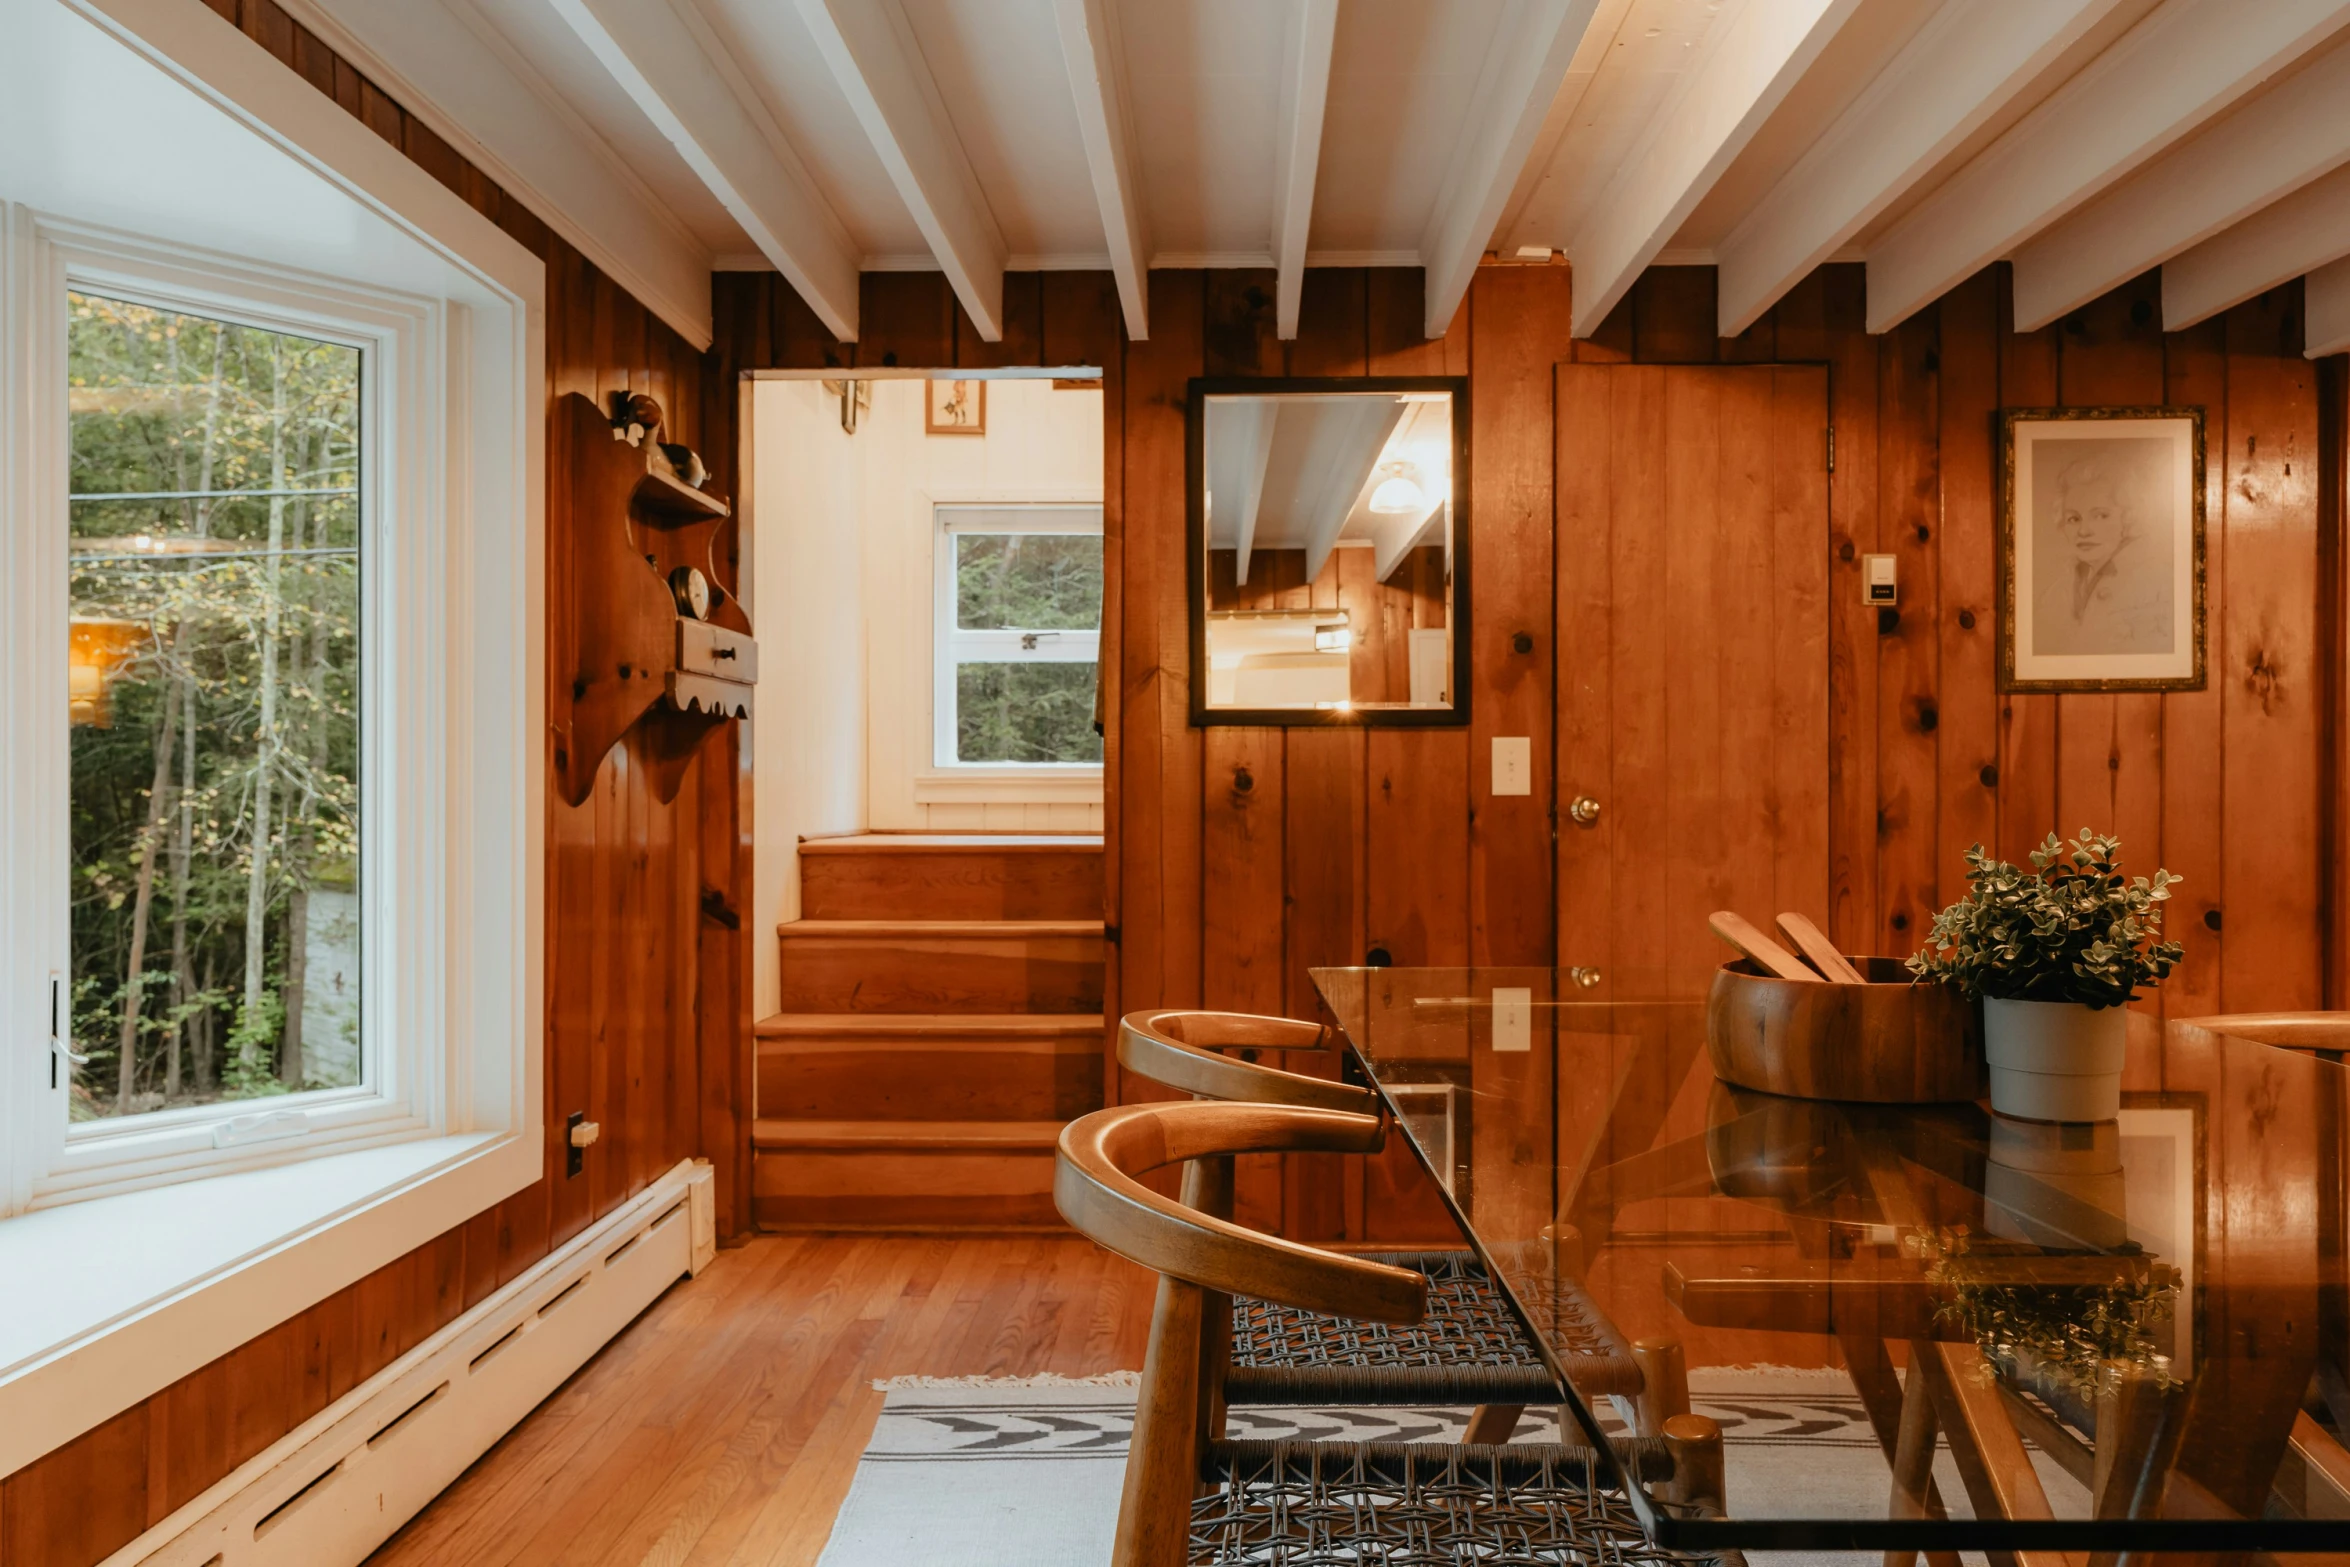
[
  {"x": 654, "y": 55},
  {"x": 1097, "y": 81},
  {"x": 2275, "y": 245},
  {"x": 1525, "y": 66},
  {"x": 2326, "y": 311},
  {"x": 871, "y": 50},
  {"x": 2288, "y": 136},
  {"x": 1968, "y": 61},
  {"x": 2174, "y": 72},
  {"x": 1297, "y": 151},
  {"x": 1253, "y": 460},
  {"x": 1340, "y": 461},
  {"x": 1743, "y": 71}
]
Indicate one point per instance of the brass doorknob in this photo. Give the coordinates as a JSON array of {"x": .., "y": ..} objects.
[{"x": 1585, "y": 810}]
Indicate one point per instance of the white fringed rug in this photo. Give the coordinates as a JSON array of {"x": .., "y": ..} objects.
[{"x": 1024, "y": 1472}]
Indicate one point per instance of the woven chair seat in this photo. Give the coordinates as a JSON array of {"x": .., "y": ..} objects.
[
  {"x": 1470, "y": 1349},
  {"x": 1382, "y": 1504}
]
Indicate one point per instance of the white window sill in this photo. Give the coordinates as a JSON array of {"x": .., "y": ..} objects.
[
  {"x": 107, "y": 1301},
  {"x": 1046, "y": 784}
]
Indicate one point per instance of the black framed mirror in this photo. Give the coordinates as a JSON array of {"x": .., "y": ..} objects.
[{"x": 1329, "y": 550}]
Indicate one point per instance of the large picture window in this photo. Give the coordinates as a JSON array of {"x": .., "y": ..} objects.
[
  {"x": 214, "y": 707},
  {"x": 1019, "y": 635}
]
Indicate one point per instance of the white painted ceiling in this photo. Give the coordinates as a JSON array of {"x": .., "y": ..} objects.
[{"x": 2087, "y": 140}]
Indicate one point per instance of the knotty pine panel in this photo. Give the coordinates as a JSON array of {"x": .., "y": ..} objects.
[{"x": 647, "y": 1006}]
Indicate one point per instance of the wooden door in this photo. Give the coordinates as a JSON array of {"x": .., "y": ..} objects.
[{"x": 1693, "y": 656}]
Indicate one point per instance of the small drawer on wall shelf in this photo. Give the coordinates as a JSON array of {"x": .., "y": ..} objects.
[{"x": 705, "y": 649}]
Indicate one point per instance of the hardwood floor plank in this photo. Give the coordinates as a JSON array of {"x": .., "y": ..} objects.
[{"x": 723, "y": 1427}]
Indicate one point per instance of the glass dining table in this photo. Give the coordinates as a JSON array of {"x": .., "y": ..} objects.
[{"x": 1921, "y": 1328}]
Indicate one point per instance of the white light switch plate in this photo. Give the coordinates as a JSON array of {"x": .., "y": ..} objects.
[
  {"x": 1513, "y": 764},
  {"x": 1513, "y": 1018}
]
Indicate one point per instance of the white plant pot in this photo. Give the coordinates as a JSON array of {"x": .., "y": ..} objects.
[{"x": 2055, "y": 1060}]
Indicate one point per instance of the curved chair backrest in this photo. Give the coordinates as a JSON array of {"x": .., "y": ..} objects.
[
  {"x": 1095, "y": 1188},
  {"x": 1178, "y": 1049},
  {"x": 2319, "y": 1033}
]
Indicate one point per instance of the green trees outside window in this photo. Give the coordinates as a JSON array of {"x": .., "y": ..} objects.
[
  {"x": 1024, "y": 689},
  {"x": 214, "y": 582}
]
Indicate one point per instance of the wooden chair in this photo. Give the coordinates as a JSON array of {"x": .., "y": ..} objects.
[
  {"x": 2325, "y": 1035},
  {"x": 1192, "y": 1498},
  {"x": 1471, "y": 1347}
]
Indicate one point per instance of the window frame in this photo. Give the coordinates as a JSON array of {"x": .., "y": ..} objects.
[
  {"x": 948, "y": 640},
  {"x": 413, "y": 366}
]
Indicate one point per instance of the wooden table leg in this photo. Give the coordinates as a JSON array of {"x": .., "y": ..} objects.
[
  {"x": 1999, "y": 1476},
  {"x": 1888, "y": 1403},
  {"x": 1491, "y": 1424}
]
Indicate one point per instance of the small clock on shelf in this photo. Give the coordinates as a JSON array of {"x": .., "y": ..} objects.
[{"x": 660, "y": 652}]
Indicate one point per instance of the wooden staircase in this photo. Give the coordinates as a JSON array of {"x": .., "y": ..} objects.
[{"x": 941, "y": 1019}]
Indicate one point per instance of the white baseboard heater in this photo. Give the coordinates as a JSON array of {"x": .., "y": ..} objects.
[{"x": 331, "y": 1491}]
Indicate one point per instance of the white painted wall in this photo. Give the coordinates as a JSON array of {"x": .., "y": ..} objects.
[
  {"x": 1042, "y": 444},
  {"x": 805, "y": 560}
]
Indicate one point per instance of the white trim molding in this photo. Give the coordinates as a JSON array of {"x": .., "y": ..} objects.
[{"x": 449, "y": 66}]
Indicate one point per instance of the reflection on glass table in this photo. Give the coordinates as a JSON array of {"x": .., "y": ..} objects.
[{"x": 1920, "y": 1326}]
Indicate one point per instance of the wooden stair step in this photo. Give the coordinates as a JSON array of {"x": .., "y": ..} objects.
[
  {"x": 941, "y": 966},
  {"x": 926, "y": 1136},
  {"x": 899, "y": 1175},
  {"x": 880, "y": 1066},
  {"x": 952, "y": 875}
]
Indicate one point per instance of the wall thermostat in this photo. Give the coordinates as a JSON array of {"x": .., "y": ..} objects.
[{"x": 1876, "y": 581}]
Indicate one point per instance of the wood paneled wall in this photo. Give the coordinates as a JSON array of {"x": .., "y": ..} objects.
[
  {"x": 1243, "y": 857},
  {"x": 648, "y": 999}
]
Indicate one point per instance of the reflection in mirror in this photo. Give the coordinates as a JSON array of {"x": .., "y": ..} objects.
[{"x": 1327, "y": 523}]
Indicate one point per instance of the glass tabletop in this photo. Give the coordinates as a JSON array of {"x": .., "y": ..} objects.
[{"x": 2112, "y": 1335}]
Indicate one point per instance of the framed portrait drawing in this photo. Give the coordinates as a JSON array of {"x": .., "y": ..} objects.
[
  {"x": 955, "y": 408},
  {"x": 2101, "y": 549}
]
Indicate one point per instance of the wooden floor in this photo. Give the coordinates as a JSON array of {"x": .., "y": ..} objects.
[{"x": 724, "y": 1425}]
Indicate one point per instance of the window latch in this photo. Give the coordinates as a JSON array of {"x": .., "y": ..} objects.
[
  {"x": 59, "y": 1045},
  {"x": 1029, "y": 639},
  {"x": 265, "y": 1127}
]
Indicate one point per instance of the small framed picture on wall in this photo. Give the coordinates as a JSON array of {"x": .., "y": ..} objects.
[
  {"x": 2101, "y": 549},
  {"x": 955, "y": 408}
]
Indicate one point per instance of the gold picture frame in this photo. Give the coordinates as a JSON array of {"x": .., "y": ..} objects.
[
  {"x": 2101, "y": 550},
  {"x": 954, "y": 407}
]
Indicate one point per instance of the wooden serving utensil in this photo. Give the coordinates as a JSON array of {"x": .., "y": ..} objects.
[
  {"x": 1767, "y": 954},
  {"x": 1814, "y": 944}
]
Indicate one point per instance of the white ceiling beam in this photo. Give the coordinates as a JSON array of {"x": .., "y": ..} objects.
[
  {"x": 1968, "y": 61},
  {"x": 871, "y": 49},
  {"x": 2280, "y": 141},
  {"x": 1097, "y": 81},
  {"x": 2325, "y": 312},
  {"x": 1743, "y": 70},
  {"x": 450, "y": 68},
  {"x": 2174, "y": 72},
  {"x": 1525, "y": 66},
  {"x": 656, "y": 58},
  {"x": 1297, "y": 151},
  {"x": 2274, "y": 245}
]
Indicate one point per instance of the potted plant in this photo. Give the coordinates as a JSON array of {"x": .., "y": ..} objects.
[{"x": 2055, "y": 953}]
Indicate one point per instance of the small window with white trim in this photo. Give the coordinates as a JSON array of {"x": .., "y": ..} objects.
[{"x": 1018, "y": 636}]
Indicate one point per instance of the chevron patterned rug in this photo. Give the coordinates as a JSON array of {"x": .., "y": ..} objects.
[{"x": 1025, "y": 1472}]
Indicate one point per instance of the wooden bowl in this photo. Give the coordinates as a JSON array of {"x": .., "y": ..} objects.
[{"x": 1890, "y": 1041}]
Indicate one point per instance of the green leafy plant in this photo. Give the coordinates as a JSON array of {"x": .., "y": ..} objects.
[
  {"x": 2066, "y": 1337},
  {"x": 2072, "y": 928}
]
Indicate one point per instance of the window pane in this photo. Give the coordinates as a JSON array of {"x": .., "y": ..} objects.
[
  {"x": 1025, "y": 713},
  {"x": 1028, "y": 581},
  {"x": 214, "y": 582}
]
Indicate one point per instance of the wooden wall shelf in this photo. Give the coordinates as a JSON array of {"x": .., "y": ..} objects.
[{"x": 639, "y": 670}]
